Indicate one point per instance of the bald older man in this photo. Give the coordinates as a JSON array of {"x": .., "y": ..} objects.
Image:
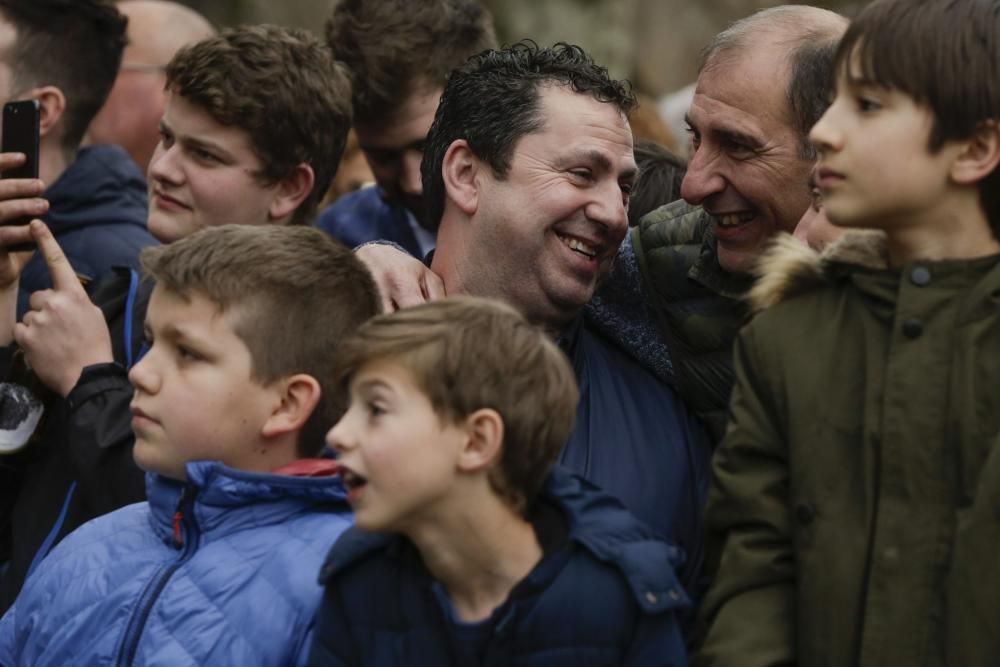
[
  {"x": 761, "y": 87},
  {"x": 156, "y": 30}
]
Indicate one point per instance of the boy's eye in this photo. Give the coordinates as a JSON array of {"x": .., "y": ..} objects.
[
  {"x": 187, "y": 353},
  {"x": 375, "y": 409},
  {"x": 866, "y": 104},
  {"x": 203, "y": 155}
]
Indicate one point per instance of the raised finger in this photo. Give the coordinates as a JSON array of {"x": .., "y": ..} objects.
[{"x": 62, "y": 273}]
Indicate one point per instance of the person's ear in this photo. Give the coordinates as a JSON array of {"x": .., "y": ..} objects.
[
  {"x": 291, "y": 191},
  {"x": 484, "y": 442},
  {"x": 298, "y": 396},
  {"x": 979, "y": 156},
  {"x": 459, "y": 170},
  {"x": 51, "y": 107}
]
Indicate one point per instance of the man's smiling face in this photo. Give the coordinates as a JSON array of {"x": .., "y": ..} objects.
[{"x": 746, "y": 168}]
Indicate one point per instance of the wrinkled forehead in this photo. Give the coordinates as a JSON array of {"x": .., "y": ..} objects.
[{"x": 753, "y": 79}]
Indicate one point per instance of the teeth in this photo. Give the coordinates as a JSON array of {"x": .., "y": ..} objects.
[
  {"x": 579, "y": 246},
  {"x": 734, "y": 219},
  {"x": 350, "y": 479}
]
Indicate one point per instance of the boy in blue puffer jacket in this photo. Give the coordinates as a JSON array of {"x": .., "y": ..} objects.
[
  {"x": 231, "y": 402},
  {"x": 458, "y": 411}
]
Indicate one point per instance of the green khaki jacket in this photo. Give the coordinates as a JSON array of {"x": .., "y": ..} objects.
[
  {"x": 857, "y": 490},
  {"x": 698, "y": 306}
]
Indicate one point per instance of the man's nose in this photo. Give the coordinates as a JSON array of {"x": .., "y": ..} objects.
[
  {"x": 703, "y": 178},
  {"x": 609, "y": 209}
]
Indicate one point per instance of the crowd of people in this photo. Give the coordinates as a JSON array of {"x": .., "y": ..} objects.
[{"x": 542, "y": 393}]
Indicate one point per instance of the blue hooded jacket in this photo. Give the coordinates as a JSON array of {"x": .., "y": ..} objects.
[
  {"x": 606, "y": 595},
  {"x": 97, "y": 212},
  {"x": 218, "y": 571}
]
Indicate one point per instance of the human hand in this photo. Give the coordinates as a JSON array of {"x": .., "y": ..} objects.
[
  {"x": 64, "y": 331},
  {"x": 19, "y": 197},
  {"x": 402, "y": 280}
]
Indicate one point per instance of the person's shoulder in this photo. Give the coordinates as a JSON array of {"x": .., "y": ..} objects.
[
  {"x": 789, "y": 272},
  {"x": 676, "y": 223},
  {"x": 100, "y": 545},
  {"x": 359, "y": 552},
  {"x": 616, "y": 546},
  {"x": 354, "y": 208}
]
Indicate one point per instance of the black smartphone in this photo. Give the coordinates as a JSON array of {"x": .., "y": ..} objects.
[{"x": 20, "y": 135}]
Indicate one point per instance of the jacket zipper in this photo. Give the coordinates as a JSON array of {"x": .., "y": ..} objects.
[{"x": 137, "y": 623}]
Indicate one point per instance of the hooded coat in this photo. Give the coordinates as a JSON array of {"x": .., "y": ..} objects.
[
  {"x": 606, "y": 595},
  {"x": 857, "y": 491},
  {"x": 218, "y": 571}
]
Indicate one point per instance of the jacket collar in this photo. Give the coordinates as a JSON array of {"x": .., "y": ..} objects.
[
  {"x": 789, "y": 268},
  {"x": 596, "y": 522},
  {"x": 227, "y": 500}
]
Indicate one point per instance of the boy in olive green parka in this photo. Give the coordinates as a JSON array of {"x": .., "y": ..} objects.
[{"x": 856, "y": 500}]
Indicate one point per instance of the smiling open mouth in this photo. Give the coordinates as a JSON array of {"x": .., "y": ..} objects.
[
  {"x": 578, "y": 246},
  {"x": 735, "y": 219}
]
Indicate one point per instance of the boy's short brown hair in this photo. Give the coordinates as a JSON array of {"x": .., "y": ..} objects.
[
  {"x": 943, "y": 54},
  {"x": 466, "y": 354},
  {"x": 280, "y": 85},
  {"x": 296, "y": 293}
]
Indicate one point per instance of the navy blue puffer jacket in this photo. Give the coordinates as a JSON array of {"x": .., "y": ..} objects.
[{"x": 608, "y": 597}]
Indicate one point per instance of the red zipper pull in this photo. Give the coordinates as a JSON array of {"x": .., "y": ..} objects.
[
  {"x": 178, "y": 535},
  {"x": 179, "y": 519}
]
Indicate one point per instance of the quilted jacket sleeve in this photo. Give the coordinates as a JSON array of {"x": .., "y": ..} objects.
[{"x": 748, "y": 613}]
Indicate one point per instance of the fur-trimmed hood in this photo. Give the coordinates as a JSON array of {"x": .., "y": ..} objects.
[{"x": 789, "y": 267}]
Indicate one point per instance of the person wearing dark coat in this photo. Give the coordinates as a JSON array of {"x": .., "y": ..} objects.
[
  {"x": 467, "y": 551},
  {"x": 383, "y": 609}
]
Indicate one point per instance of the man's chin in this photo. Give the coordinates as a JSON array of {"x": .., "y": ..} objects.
[{"x": 737, "y": 259}]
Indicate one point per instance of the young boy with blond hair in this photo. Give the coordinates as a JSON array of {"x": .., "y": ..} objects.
[
  {"x": 857, "y": 487},
  {"x": 231, "y": 400},
  {"x": 480, "y": 554}
]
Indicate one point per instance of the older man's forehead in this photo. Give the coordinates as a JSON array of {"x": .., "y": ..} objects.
[{"x": 746, "y": 95}]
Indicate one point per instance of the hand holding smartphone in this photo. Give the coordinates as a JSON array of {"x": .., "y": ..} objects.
[{"x": 20, "y": 134}]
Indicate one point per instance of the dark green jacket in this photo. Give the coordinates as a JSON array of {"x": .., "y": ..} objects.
[
  {"x": 857, "y": 490},
  {"x": 697, "y": 305}
]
